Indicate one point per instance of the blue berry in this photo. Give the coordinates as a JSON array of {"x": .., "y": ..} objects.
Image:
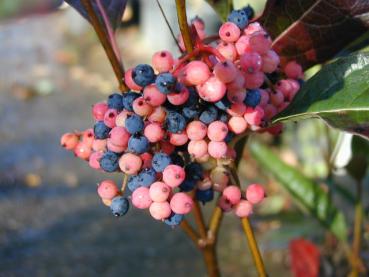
[
  {"x": 253, "y": 98},
  {"x": 188, "y": 184},
  {"x": 194, "y": 170},
  {"x": 119, "y": 206},
  {"x": 143, "y": 75},
  {"x": 238, "y": 17},
  {"x": 133, "y": 182},
  {"x": 223, "y": 104},
  {"x": 115, "y": 101},
  {"x": 138, "y": 144},
  {"x": 109, "y": 161},
  {"x": 209, "y": 115},
  {"x": 175, "y": 122},
  {"x": 229, "y": 137},
  {"x": 134, "y": 124},
  {"x": 223, "y": 117},
  {"x": 174, "y": 219},
  {"x": 160, "y": 161},
  {"x": 128, "y": 99},
  {"x": 101, "y": 131},
  {"x": 193, "y": 98},
  {"x": 176, "y": 158},
  {"x": 191, "y": 112},
  {"x": 166, "y": 83},
  {"x": 204, "y": 195},
  {"x": 249, "y": 11},
  {"x": 147, "y": 176}
]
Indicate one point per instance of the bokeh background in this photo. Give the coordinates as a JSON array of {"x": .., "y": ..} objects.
[{"x": 52, "y": 69}]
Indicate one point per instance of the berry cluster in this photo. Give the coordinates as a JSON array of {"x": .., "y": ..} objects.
[{"x": 170, "y": 133}]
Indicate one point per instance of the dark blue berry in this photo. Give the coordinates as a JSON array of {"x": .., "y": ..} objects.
[
  {"x": 229, "y": 137},
  {"x": 138, "y": 144},
  {"x": 134, "y": 124},
  {"x": 115, "y": 101},
  {"x": 238, "y": 17},
  {"x": 109, "y": 161},
  {"x": 128, "y": 99},
  {"x": 101, "y": 131},
  {"x": 204, "y": 195},
  {"x": 188, "y": 184},
  {"x": 175, "y": 122},
  {"x": 193, "y": 98},
  {"x": 223, "y": 104},
  {"x": 249, "y": 11},
  {"x": 133, "y": 182},
  {"x": 253, "y": 98},
  {"x": 147, "y": 176},
  {"x": 174, "y": 219},
  {"x": 119, "y": 206},
  {"x": 176, "y": 158},
  {"x": 194, "y": 170},
  {"x": 166, "y": 83},
  {"x": 143, "y": 75},
  {"x": 223, "y": 117},
  {"x": 209, "y": 115},
  {"x": 160, "y": 161},
  {"x": 191, "y": 112}
]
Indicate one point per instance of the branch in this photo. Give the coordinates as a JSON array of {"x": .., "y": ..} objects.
[
  {"x": 103, "y": 37},
  {"x": 190, "y": 232},
  {"x": 183, "y": 25},
  {"x": 214, "y": 225},
  {"x": 199, "y": 219}
]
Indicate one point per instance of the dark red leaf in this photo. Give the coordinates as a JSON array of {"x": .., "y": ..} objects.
[
  {"x": 304, "y": 258},
  {"x": 314, "y": 31},
  {"x": 113, "y": 8}
]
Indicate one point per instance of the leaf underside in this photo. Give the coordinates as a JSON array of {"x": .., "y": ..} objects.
[{"x": 339, "y": 94}]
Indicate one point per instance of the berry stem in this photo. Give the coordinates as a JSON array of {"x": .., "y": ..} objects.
[
  {"x": 124, "y": 183},
  {"x": 187, "y": 228},
  {"x": 211, "y": 261},
  {"x": 183, "y": 25},
  {"x": 214, "y": 225},
  {"x": 106, "y": 43}
]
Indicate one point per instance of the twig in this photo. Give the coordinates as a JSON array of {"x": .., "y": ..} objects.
[
  {"x": 190, "y": 232},
  {"x": 214, "y": 225},
  {"x": 199, "y": 219},
  {"x": 169, "y": 27},
  {"x": 124, "y": 183},
  {"x": 183, "y": 25},
  {"x": 103, "y": 37}
]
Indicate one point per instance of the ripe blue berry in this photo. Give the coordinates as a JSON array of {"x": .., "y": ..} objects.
[
  {"x": 174, "y": 219},
  {"x": 134, "y": 124},
  {"x": 147, "y": 176},
  {"x": 138, "y": 144},
  {"x": 195, "y": 170},
  {"x": 128, "y": 98},
  {"x": 191, "y": 112},
  {"x": 249, "y": 11},
  {"x": 188, "y": 184},
  {"x": 223, "y": 104},
  {"x": 253, "y": 98},
  {"x": 115, "y": 101},
  {"x": 205, "y": 195},
  {"x": 143, "y": 75},
  {"x": 176, "y": 158},
  {"x": 175, "y": 122},
  {"x": 166, "y": 83},
  {"x": 133, "y": 182},
  {"x": 209, "y": 115},
  {"x": 223, "y": 117},
  {"x": 109, "y": 161},
  {"x": 101, "y": 131},
  {"x": 160, "y": 161},
  {"x": 119, "y": 206},
  {"x": 238, "y": 17}
]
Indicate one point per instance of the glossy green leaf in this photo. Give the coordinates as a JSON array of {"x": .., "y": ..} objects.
[
  {"x": 338, "y": 93},
  {"x": 304, "y": 191}
]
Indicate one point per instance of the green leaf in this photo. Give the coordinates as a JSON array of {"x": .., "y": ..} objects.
[
  {"x": 358, "y": 164},
  {"x": 338, "y": 93},
  {"x": 303, "y": 190},
  {"x": 222, "y": 7}
]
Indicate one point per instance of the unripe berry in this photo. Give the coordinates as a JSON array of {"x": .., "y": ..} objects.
[
  {"x": 264, "y": 94},
  {"x": 154, "y": 132},
  {"x": 197, "y": 148},
  {"x": 179, "y": 98},
  {"x": 237, "y": 109},
  {"x": 160, "y": 210},
  {"x": 181, "y": 203},
  {"x": 159, "y": 192},
  {"x": 173, "y": 175},
  {"x": 227, "y": 50},
  {"x": 237, "y": 124},
  {"x": 224, "y": 204},
  {"x": 178, "y": 139},
  {"x": 254, "y": 80},
  {"x": 253, "y": 28},
  {"x": 146, "y": 160},
  {"x": 109, "y": 118},
  {"x": 130, "y": 163},
  {"x": 69, "y": 141},
  {"x": 276, "y": 98},
  {"x": 88, "y": 137},
  {"x": 141, "y": 108},
  {"x": 238, "y": 83},
  {"x": 119, "y": 136},
  {"x": 162, "y": 61},
  {"x": 243, "y": 45},
  {"x": 196, "y": 130},
  {"x": 253, "y": 116},
  {"x": 243, "y": 209},
  {"x": 255, "y": 193},
  {"x": 217, "y": 149},
  {"x": 153, "y": 96},
  {"x": 129, "y": 80},
  {"x": 120, "y": 120},
  {"x": 196, "y": 73},
  {"x": 99, "y": 145},
  {"x": 141, "y": 198},
  {"x": 99, "y": 110},
  {"x": 236, "y": 96},
  {"x": 115, "y": 148},
  {"x": 82, "y": 151},
  {"x": 293, "y": 70},
  {"x": 232, "y": 194},
  {"x": 217, "y": 131},
  {"x": 94, "y": 160},
  {"x": 251, "y": 62},
  {"x": 229, "y": 32},
  {"x": 212, "y": 90},
  {"x": 225, "y": 71},
  {"x": 107, "y": 189},
  {"x": 158, "y": 115},
  {"x": 270, "y": 61},
  {"x": 260, "y": 42}
]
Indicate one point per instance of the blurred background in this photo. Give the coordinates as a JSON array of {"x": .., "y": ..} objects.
[{"x": 52, "y": 69}]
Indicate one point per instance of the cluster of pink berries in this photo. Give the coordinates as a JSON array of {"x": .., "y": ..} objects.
[{"x": 170, "y": 133}]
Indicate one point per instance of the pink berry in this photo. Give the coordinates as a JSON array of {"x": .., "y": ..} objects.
[
  {"x": 107, "y": 189},
  {"x": 255, "y": 193},
  {"x": 251, "y": 62},
  {"x": 146, "y": 160},
  {"x": 109, "y": 118},
  {"x": 254, "y": 80},
  {"x": 178, "y": 139},
  {"x": 129, "y": 80},
  {"x": 270, "y": 111},
  {"x": 237, "y": 124},
  {"x": 243, "y": 209},
  {"x": 82, "y": 151},
  {"x": 204, "y": 184},
  {"x": 159, "y": 192},
  {"x": 181, "y": 203},
  {"x": 284, "y": 86},
  {"x": 212, "y": 90},
  {"x": 260, "y": 42},
  {"x": 237, "y": 109},
  {"x": 283, "y": 106},
  {"x": 94, "y": 160},
  {"x": 225, "y": 72},
  {"x": 243, "y": 45},
  {"x": 158, "y": 115},
  {"x": 173, "y": 175},
  {"x": 141, "y": 108},
  {"x": 232, "y": 194},
  {"x": 154, "y": 132},
  {"x": 130, "y": 163},
  {"x": 119, "y": 136},
  {"x": 69, "y": 141},
  {"x": 160, "y": 210},
  {"x": 141, "y": 198},
  {"x": 88, "y": 137},
  {"x": 236, "y": 96},
  {"x": 264, "y": 97},
  {"x": 197, "y": 148},
  {"x": 270, "y": 61},
  {"x": 224, "y": 204},
  {"x": 99, "y": 110},
  {"x": 196, "y": 130},
  {"x": 198, "y": 23},
  {"x": 253, "y": 116},
  {"x": 229, "y": 32},
  {"x": 276, "y": 97},
  {"x": 217, "y": 149},
  {"x": 217, "y": 131},
  {"x": 153, "y": 96},
  {"x": 228, "y": 50},
  {"x": 253, "y": 28},
  {"x": 99, "y": 145},
  {"x": 293, "y": 70},
  {"x": 120, "y": 120},
  {"x": 179, "y": 98},
  {"x": 162, "y": 61},
  {"x": 196, "y": 73},
  {"x": 238, "y": 83},
  {"x": 115, "y": 148}
]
